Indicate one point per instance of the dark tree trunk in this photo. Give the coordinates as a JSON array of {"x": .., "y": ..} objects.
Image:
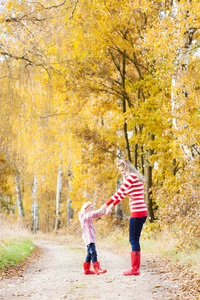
[
  {"x": 127, "y": 146},
  {"x": 148, "y": 185},
  {"x": 135, "y": 151}
]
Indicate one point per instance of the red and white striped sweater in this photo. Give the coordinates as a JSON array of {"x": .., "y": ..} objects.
[{"x": 133, "y": 188}]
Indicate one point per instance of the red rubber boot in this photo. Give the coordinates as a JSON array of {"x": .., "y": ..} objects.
[
  {"x": 97, "y": 269},
  {"x": 87, "y": 270},
  {"x": 135, "y": 264}
]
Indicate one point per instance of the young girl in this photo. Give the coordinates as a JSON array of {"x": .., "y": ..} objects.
[
  {"x": 86, "y": 216},
  {"x": 133, "y": 187}
]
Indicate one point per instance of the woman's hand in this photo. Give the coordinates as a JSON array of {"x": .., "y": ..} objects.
[
  {"x": 109, "y": 210},
  {"x": 103, "y": 208}
]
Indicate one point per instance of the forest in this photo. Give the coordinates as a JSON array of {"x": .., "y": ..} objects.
[{"x": 85, "y": 83}]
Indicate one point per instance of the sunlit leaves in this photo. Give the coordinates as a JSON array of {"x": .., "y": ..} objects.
[{"x": 63, "y": 91}]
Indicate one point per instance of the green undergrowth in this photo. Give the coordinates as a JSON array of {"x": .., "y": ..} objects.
[{"x": 14, "y": 252}]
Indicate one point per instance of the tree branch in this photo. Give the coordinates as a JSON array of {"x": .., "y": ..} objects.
[
  {"x": 47, "y": 8},
  {"x": 30, "y": 62}
]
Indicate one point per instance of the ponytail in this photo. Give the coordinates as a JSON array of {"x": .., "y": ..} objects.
[{"x": 129, "y": 168}]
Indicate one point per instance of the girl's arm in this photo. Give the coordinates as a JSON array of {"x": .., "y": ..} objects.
[{"x": 96, "y": 213}]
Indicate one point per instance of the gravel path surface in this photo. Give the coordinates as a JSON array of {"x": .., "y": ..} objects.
[{"x": 58, "y": 274}]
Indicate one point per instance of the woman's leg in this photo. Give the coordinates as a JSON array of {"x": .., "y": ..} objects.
[{"x": 135, "y": 229}]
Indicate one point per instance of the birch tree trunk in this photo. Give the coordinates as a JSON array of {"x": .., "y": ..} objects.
[
  {"x": 69, "y": 211},
  {"x": 19, "y": 195},
  {"x": 35, "y": 217},
  {"x": 35, "y": 212},
  {"x": 58, "y": 196},
  {"x": 69, "y": 202}
]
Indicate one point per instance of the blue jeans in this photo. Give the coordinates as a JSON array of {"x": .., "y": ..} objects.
[
  {"x": 135, "y": 229},
  {"x": 91, "y": 253}
]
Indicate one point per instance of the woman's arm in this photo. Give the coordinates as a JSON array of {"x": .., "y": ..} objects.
[{"x": 122, "y": 191}]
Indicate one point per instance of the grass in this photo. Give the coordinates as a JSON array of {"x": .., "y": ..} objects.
[
  {"x": 14, "y": 252},
  {"x": 165, "y": 245},
  {"x": 15, "y": 242}
]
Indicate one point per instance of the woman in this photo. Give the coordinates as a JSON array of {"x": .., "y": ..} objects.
[{"x": 133, "y": 187}]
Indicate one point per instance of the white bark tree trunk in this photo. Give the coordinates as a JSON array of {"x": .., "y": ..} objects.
[
  {"x": 58, "y": 196},
  {"x": 19, "y": 195},
  {"x": 69, "y": 202},
  {"x": 69, "y": 211},
  {"x": 119, "y": 211},
  {"x": 35, "y": 212}
]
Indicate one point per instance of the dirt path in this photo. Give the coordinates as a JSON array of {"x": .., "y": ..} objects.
[{"x": 58, "y": 274}]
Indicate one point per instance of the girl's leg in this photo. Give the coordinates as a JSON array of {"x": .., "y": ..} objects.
[
  {"x": 93, "y": 252},
  {"x": 95, "y": 263},
  {"x": 135, "y": 229},
  {"x": 86, "y": 265},
  {"x": 88, "y": 257}
]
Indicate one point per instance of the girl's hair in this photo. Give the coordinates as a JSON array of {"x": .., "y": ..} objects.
[
  {"x": 85, "y": 206},
  {"x": 129, "y": 168}
]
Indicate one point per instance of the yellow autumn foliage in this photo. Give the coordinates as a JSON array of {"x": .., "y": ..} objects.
[{"x": 74, "y": 75}]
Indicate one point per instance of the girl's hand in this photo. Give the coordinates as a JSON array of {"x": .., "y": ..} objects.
[
  {"x": 109, "y": 210},
  {"x": 103, "y": 208}
]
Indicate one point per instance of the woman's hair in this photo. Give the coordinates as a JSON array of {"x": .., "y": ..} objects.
[{"x": 129, "y": 168}]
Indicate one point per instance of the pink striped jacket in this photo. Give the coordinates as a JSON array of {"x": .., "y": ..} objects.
[{"x": 88, "y": 230}]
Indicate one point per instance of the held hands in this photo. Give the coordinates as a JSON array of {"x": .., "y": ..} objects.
[
  {"x": 109, "y": 210},
  {"x": 103, "y": 208}
]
